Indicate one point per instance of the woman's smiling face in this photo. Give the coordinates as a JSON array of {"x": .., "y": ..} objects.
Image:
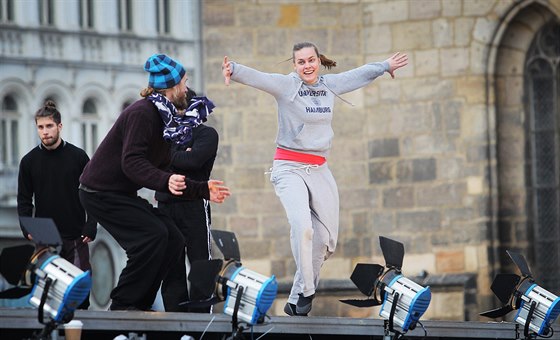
[{"x": 306, "y": 64}]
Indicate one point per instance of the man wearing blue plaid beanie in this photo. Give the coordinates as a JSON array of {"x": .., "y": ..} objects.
[
  {"x": 164, "y": 72},
  {"x": 134, "y": 154}
]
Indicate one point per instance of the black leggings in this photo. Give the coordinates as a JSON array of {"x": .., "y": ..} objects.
[{"x": 193, "y": 220}]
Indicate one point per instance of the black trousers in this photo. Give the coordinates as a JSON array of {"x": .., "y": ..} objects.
[
  {"x": 193, "y": 220},
  {"x": 150, "y": 238}
]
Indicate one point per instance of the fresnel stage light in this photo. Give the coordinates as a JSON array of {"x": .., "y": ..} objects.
[
  {"x": 402, "y": 300},
  {"x": 57, "y": 287},
  {"x": 536, "y": 307},
  {"x": 247, "y": 294}
]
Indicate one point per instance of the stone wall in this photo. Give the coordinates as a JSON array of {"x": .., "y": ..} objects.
[{"x": 414, "y": 157}]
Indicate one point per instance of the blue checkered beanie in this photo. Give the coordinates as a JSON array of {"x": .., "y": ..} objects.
[{"x": 164, "y": 72}]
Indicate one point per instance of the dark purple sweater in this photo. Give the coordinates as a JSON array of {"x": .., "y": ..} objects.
[{"x": 134, "y": 154}]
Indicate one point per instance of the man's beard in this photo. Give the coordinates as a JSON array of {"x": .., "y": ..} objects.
[
  {"x": 50, "y": 141},
  {"x": 180, "y": 102}
]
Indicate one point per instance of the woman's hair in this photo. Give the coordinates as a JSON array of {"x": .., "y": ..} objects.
[
  {"x": 49, "y": 110},
  {"x": 326, "y": 62}
]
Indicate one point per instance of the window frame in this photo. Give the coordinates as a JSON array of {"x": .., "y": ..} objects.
[
  {"x": 89, "y": 126},
  {"x": 86, "y": 14},
  {"x": 47, "y": 13},
  {"x": 7, "y": 13},
  {"x": 543, "y": 158},
  {"x": 9, "y": 135},
  {"x": 163, "y": 24},
  {"x": 125, "y": 15}
]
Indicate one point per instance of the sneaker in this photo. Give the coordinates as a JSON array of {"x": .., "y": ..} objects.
[
  {"x": 290, "y": 309},
  {"x": 303, "y": 306}
]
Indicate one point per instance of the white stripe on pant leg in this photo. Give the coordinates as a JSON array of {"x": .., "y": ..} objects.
[
  {"x": 208, "y": 226},
  {"x": 208, "y": 235}
]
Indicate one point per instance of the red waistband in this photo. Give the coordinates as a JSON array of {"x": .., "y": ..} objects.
[{"x": 288, "y": 155}]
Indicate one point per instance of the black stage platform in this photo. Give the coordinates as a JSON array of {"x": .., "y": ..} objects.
[{"x": 21, "y": 323}]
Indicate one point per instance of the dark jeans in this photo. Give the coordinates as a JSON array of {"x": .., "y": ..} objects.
[
  {"x": 193, "y": 220},
  {"x": 77, "y": 253},
  {"x": 150, "y": 239}
]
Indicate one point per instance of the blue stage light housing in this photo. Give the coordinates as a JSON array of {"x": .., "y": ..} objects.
[
  {"x": 407, "y": 300},
  {"x": 257, "y": 294},
  {"x": 403, "y": 301},
  {"x": 537, "y": 307},
  {"x": 545, "y": 305},
  {"x": 59, "y": 287}
]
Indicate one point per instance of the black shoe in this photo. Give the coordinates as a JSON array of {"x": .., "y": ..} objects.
[
  {"x": 303, "y": 306},
  {"x": 290, "y": 309}
]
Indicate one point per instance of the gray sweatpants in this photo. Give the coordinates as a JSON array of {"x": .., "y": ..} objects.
[{"x": 310, "y": 197}]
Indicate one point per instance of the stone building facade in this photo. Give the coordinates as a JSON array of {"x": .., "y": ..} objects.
[
  {"x": 445, "y": 158},
  {"x": 457, "y": 157}
]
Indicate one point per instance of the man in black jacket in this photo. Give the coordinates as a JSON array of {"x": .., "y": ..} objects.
[
  {"x": 195, "y": 160},
  {"x": 48, "y": 183}
]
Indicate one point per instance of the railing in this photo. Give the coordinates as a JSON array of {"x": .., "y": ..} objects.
[{"x": 20, "y": 43}]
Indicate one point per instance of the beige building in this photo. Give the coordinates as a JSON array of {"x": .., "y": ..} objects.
[
  {"x": 457, "y": 157},
  {"x": 88, "y": 57}
]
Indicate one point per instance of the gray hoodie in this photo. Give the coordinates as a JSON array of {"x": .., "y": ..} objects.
[{"x": 305, "y": 111}]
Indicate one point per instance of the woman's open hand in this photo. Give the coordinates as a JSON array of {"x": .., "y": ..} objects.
[
  {"x": 397, "y": 61},
  {"x": 226, "y": 70}
]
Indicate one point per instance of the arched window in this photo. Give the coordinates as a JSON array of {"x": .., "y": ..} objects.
[
  {"x": 542, "y": 86},
  {"x": 89, "y": 107},
  {"x": 9, "y": 104},
  {"x": 89, "y": 124},
  {"x": 104, "y": 278},
  {"x": 9, "y": 146}
]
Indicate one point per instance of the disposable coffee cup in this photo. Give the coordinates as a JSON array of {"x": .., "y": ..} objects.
[{"x": 73, "y": 330}]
